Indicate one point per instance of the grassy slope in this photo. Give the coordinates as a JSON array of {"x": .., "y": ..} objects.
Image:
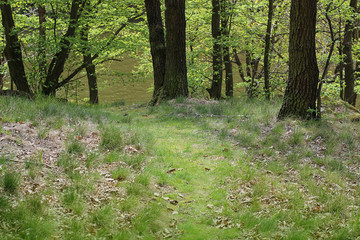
[{"x": 201, "y": 170}]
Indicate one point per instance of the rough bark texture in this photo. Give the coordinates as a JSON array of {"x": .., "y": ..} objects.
[
  {"x": 175, "y": 82},
  {"x": 57, "y": 64},
  {"x": 157, "y": 45},
  {"x": 301, "y": 91},
  {"x": 13, "y": 49},
  {"x": 267, "y": 50},
  {"x": 216, "y": 83},
  {"x": 349, "y": 93}
]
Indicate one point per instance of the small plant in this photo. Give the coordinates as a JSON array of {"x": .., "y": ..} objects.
[{"x": 11, "y": 181}]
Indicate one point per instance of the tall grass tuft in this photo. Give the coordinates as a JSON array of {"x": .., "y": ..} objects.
[{"x": 11, "y": 181}]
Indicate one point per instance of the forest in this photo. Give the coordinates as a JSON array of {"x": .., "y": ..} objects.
[{"x": 243, "y": 121}]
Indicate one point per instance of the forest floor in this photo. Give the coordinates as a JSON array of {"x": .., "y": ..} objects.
[{"x": 187, "y": 169}]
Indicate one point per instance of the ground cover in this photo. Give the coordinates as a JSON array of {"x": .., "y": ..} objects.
[{"x": 187, "y": 169}]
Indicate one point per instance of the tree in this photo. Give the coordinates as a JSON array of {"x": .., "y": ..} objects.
[
  {"x": 267, "y": 50},
  {"x": 349, "y": 93},
  {"x": 216, "y": 83},
  {"x": 175, "y": 82},
  {"x": 13, "y": 51},
  {"x": 301, "y": 90},
  {"x": 157, "y": 45},
  {"x": 57, "y": 64},
  {"x": 226, "y": 18}
]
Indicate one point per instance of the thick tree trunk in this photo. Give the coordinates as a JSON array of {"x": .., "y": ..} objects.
[
  {"x": 349, "y": 93},
  {"x": 57, "y": 64},
  {"x": 301, "y": 91},
  {"x": 13, "y": 49},
  {"x": 175, "y": 82},
  {"x": 157, "y": 45},
  {"x": 215, "y": 89},
  {"x": 267, "y": 50}
]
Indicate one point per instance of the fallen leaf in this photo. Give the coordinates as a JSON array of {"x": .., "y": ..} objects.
[
  {"x": 225, "y": 150},
  {"x": 174, "y": 202},
  {"x": 207, "y": 169},
  {"x": 171, "y": 170}
]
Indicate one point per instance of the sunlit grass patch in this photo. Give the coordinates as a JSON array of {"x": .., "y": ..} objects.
[{"x": 116, "y": 138}]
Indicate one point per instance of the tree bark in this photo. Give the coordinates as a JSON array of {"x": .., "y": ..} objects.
[
  {"x": 175, "y": 82},
  {"x": 157, "y": 45},
  {"x": 267, "y": 50},
  {"x": 216, "y": 83},
  {"x": 57, "y": 64},
  {"x": 349, "y": 93},
  {"x": 301, "y": 91},
  {"x": 12, "y": 51}
]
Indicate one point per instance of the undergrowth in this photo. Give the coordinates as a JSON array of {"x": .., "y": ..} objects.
[{"x": 186, "y": 169}]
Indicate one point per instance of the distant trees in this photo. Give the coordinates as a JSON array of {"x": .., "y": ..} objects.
[
  {"x": 60, "y": 43},
  {"x": 301, "y": 91}
]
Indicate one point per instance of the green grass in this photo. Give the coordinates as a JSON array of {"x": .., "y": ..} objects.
[
  {"x": 186, "y": 169},
  {"x": 10, "y": 181}
]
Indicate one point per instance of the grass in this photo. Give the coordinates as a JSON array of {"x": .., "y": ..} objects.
[
  {"x": 187, "y": 169},
  {"x": 10, "y": 181}
]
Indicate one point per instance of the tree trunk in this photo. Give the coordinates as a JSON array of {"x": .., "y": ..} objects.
[
  {"x": 267, "y": 50},
  {"x": 89, "y": 67},
  {"x": 301, "y": 91},
  {"x": 13, "y": 49},
  {"x": 157, "y": 45},
  {"x": 175, "y": 82},
  {"x": 41, "y": 46},
  {"x": 349, "y": 93},
  {"x": 215, "y": 89},
  {"x": 226, "y": 26},
  {"x": 57, "y": 64}
]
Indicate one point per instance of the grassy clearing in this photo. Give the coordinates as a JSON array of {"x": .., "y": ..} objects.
[{"x": 187, "y": 169}]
